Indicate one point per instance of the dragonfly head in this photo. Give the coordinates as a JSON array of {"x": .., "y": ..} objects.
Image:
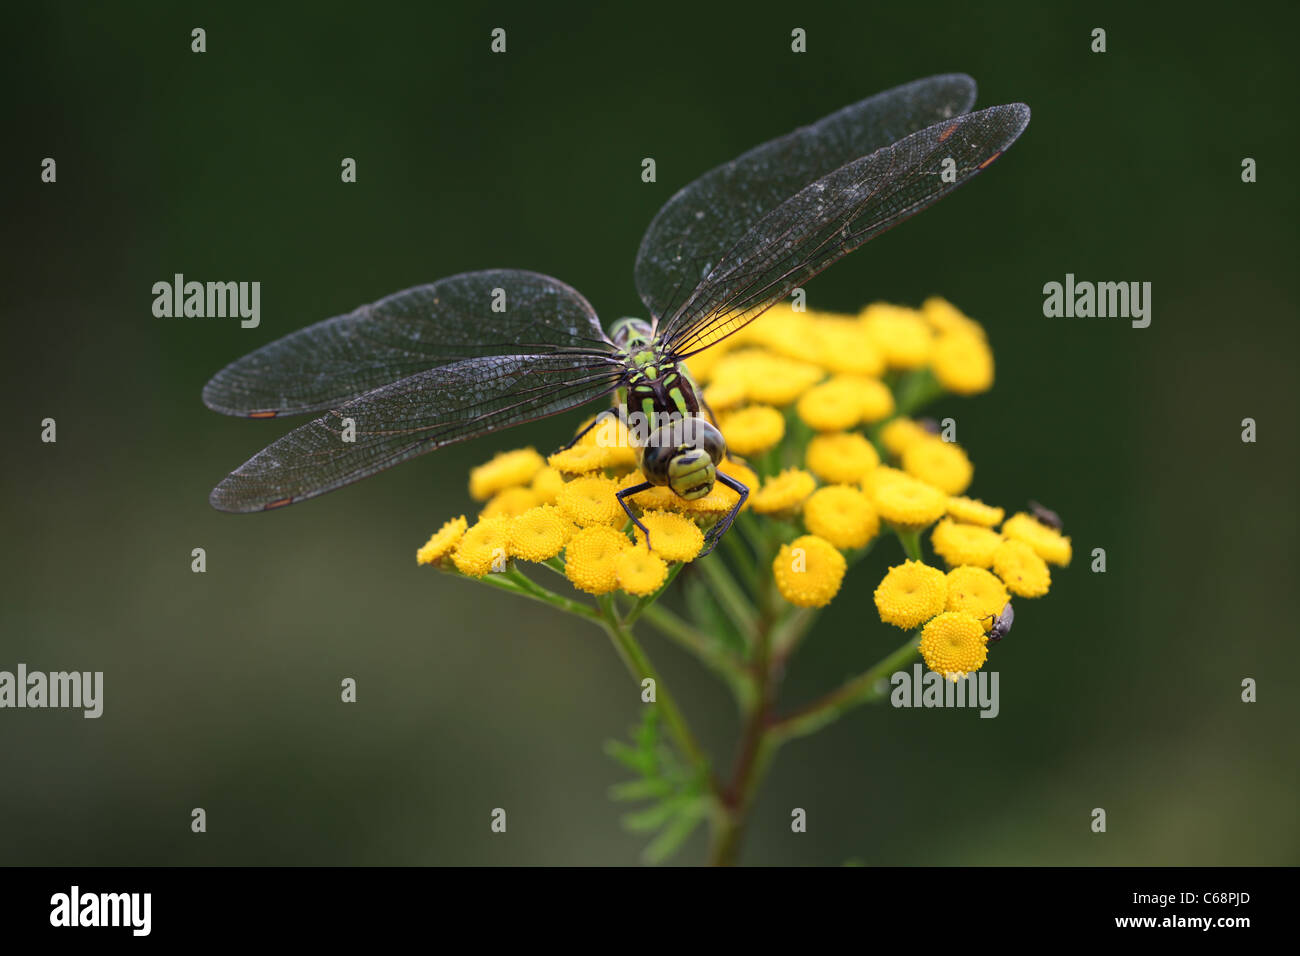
[
  {"x": 684, "y": 455},
  {"x": 630, "y": 334}
]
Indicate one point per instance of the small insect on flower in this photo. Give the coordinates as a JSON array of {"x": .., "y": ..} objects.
[
  {"x": 1001, "y": 625},
  {"x": 1046, "y": 516}
]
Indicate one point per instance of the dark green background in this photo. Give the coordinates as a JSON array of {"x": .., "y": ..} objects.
[{"x": 1118, "y": 691}]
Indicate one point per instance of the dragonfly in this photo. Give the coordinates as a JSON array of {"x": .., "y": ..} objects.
[{"x": 478, "y": 352}]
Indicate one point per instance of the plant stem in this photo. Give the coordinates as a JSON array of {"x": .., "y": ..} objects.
[
  {"x": 645, "y": 603},
  {"x": 911, "y": 542},
  {"x": 757, "y": 747},
  {"x": 638, "y": 664},
  {"x": 916, "y": 390},
  {"x": 738, "y": 548},
  {"x": 713, "y": 654},
  {"x": 515, "y": 582},
  {"x": 730, "y": 596},
  {"x": 860, "y": 690}
]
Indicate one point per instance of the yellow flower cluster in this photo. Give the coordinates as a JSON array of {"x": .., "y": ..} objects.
[
  {"x": 818, "y": 404},
  {"x": 988, "y": 568}
]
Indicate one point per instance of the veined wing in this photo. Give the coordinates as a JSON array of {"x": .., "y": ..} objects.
[
  {"x": 326, "y": 364},
  {"x": 835, "y": 215},
  {"x": 695, "y": 228},
  {"x": 401, "y": 420}
]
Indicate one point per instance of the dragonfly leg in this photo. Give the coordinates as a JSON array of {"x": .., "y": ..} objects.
[
  {"x": 718, "y": 530},
  {"x": 600, "y": 417},
  {"x": 622, "y": 497}
]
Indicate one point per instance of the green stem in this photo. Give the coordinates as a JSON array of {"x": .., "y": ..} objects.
[
  {"x": 911, "y": 542},
  {"x": 645, "y": 603},
  {"x": 916, "y": 390},
  {"x": 712, "y": 654},
  {"x": 514, "y": 581},
  {"x": 736, "y": 546},
  {"x": 791, "y": 630},
  {"x": 864, "y": 688},
  {"x": 757, "y": 746},
  {"x": 638, "y": 664},
  {"x": 730, "y": 595}
]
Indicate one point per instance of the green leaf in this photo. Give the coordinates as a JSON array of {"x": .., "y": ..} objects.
[
  {"x": 675, "y": 792},
  {"x": 671, "y": 838},
  {"x": 712, "y": 620},
  {"x": 641, "y": 789}
]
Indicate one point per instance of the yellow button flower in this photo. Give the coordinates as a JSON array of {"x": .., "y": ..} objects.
[
  {"x": 786, "y": 332},
  {"x": 876, "y": 398},
  {"x": 880, "y": 476},
  {"x": 673, "y": 537},
  {"x": 809, "y": 571},
  {"x": 908, "y": 503},
  {"x": 842, "y": 515},
  {"x": 591, "y": 558},
  {"x": 506, "y": 470},
  {"x": 944, "y": 317},
  {"x": 484, "y": 547},
  {"x": 962, "y": 363},
  {"x": 897, "y": 435},
  {"x": 973, "y": 511},
  {"x": 640, "y": 571},
  {"x": 979, "y": 593},
  {"x": 845, "y": 345},
  {"x": 768, "y": 379},
  {"x": 539, "y": 533},
  {"x": 590, "y": 500},
  {"x": 546, "y": 485},
  {"x": 1023, "y": 571},
  {"x": 939, "y": 463},
  {"x": 784, "y": 492},
  {"x": 725, "y": 392},
  {"x": 743, "y": 474},
  {"x": 900, "y": 333},
  {"x": 830, "y": 407},
  {"x": 753, "y": 430},
  {"x": 442, "y": 541},
  {"x": 581, "y": 459},
  {"x": 910, "y": 594},
  {"x": 954, "y": 644},
  {"x": 510, "y": 502},
  {"x": 660, "y": 497},
  {"x": 842, "y": 458},
  {"x": 960, "y": 544},
  {"x": 1048, "y": 543}
]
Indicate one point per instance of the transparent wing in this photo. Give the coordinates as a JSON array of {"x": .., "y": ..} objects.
[
  {"x": 835, "y": 215},
  {"x": 693, "y": 230},
  {"x": 401, "y": 420},
  {"x": 326, "y": 364}
]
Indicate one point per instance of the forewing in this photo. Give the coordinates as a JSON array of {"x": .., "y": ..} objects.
[
  {"x": 700, "y": 223},
  {"x": 399, "y": 421},
  {"x": 835, "y": 215},
  {"x": 326, "y": 364}
]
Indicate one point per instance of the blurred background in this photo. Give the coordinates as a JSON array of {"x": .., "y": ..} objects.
[{"x": 1120, "y": 690}]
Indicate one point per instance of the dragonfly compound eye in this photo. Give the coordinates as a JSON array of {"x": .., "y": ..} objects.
[{"x": 684, "y": 454}]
